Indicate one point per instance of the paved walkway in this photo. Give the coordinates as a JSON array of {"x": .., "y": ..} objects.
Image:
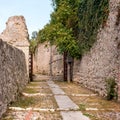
[
  {"x": 44, "y": 99},
  {"x": 66, "y": 104}
]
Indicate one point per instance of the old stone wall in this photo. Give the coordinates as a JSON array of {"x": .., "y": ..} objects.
[
  {"x": 16, "y": 34},
  {"x": 46, "y": 59},
  {"x": 13, "y": 74},
  {"x": 103, "y": 60}
]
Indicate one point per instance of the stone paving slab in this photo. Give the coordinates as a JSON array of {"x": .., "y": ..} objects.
[
  {"x": 71, "y": 115},
  {"x": 46, "y": 108},
  {"x": 55, "y": 88},
  {"x": 57, "y": 91},
  {"x": 65, "y": 103},
  {"x": 90, "y": 104},
  {"x": 52, "y": 84}
]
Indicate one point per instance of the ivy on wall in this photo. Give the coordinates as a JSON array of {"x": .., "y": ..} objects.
[{"x": 92, "y": 15}]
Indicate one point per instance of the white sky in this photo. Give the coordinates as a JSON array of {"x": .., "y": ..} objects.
[{"x": 36, "y": 12}]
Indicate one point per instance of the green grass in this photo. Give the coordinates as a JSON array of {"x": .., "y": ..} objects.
[
  {"x": 92, "y": 117},
  {"x": 36, "y": 101},
  {"x": 31, "y": 90},
  {"x": 34, "y": 84},
  {"x": 24, "y": 102},
  {"x": 82, "y": 107}
]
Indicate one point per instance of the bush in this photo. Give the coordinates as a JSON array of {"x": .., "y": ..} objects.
[{"x": 111, "y": 89}]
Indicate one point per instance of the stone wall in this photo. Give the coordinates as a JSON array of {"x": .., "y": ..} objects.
[
  {"x": 103, "y": 60},
  {"x": 13, "y": 74},
  {"x": 46, "y": 57},
  {"x": 16, "y": 34}
]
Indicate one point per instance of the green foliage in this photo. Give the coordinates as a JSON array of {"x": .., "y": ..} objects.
[
  {"x": 31, "y": 90},
  {"x": 60, "y": 36},
  {"x": 66, "y": 42},
  {"x": 34, "y": 34},
  {"x": 93, "y": 117},
  {"x": 33, "y": 42},
  {"x": 74, "y": 25},
  {"x": 111, "y": 89},
  {"x": 82, "y": 107},
  {"x": 56, "y": 3},
  {"x": 62, "y": 29},
  {"x": 49, "y": 33},
  {"x": 24, "y": 102},
  {"x": 33, "y": 45},
  {"x": 92, "y": 15}
]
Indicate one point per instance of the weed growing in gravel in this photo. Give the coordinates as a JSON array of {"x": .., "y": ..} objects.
[
  {"x": 31, "y": 90},
  {"x": 82, "y": 107},
  {"x": 89, "y": 115},
  {"x": 24, "y": 102}
]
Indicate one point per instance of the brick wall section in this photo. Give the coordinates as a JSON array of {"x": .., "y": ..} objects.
[
  {"x": 13, "y": 74},
  {"x": 103, "y": 60}
]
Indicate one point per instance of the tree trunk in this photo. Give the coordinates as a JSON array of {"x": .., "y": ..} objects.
[
  {"x": 51, "y": 73},
  {"x": 71, "y": 70},
  {"x": 65, "y": 66},
  {"x": 31, "y": 67}
]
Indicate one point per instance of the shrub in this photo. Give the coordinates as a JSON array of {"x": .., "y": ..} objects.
[{"x": 111, "y": 89}]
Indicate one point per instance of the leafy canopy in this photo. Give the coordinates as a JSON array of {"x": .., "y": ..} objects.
[
  {"x": 74, "y": 25},
  {"x": 62, "y": 28}
]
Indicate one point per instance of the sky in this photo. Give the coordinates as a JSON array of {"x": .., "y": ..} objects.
[{"x": 36, "y": 12}]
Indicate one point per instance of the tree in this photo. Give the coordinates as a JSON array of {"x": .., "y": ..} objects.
[
  {"x": 63, "y": 29},
  {"x": 66, "y": 15},
  {"x": 33, "y": 42},
  {"x": 34, "y": 34},
  {"x": 74, "y": 25}
]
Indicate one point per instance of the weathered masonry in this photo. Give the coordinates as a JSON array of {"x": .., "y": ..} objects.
[
  {"x": 13, "y": 74},
  {"x": 103, "y": 60},
  {"x": 47, "y": 60},
  {"x": 100, "y": 64},
  {"x": 16, "y": 34}
]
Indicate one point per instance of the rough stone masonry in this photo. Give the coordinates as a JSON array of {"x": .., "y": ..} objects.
[
  {"x": 16, "y": 34},
  {"x": 103, "y": 60},
  {"x": 46, "y": 59},
  {"x": 13, "y": 74}
]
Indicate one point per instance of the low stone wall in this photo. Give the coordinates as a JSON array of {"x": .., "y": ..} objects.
[
  {"x": 13, "y": 74},
  {"x": 103, "y": 61}
]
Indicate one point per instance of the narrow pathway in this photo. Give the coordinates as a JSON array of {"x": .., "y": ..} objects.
[
  {"x": 44, "y": 99},
  {"x": 67, "y": 107}
]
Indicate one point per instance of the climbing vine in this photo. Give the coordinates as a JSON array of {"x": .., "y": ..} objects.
[{"x": 92, "y": 15}]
